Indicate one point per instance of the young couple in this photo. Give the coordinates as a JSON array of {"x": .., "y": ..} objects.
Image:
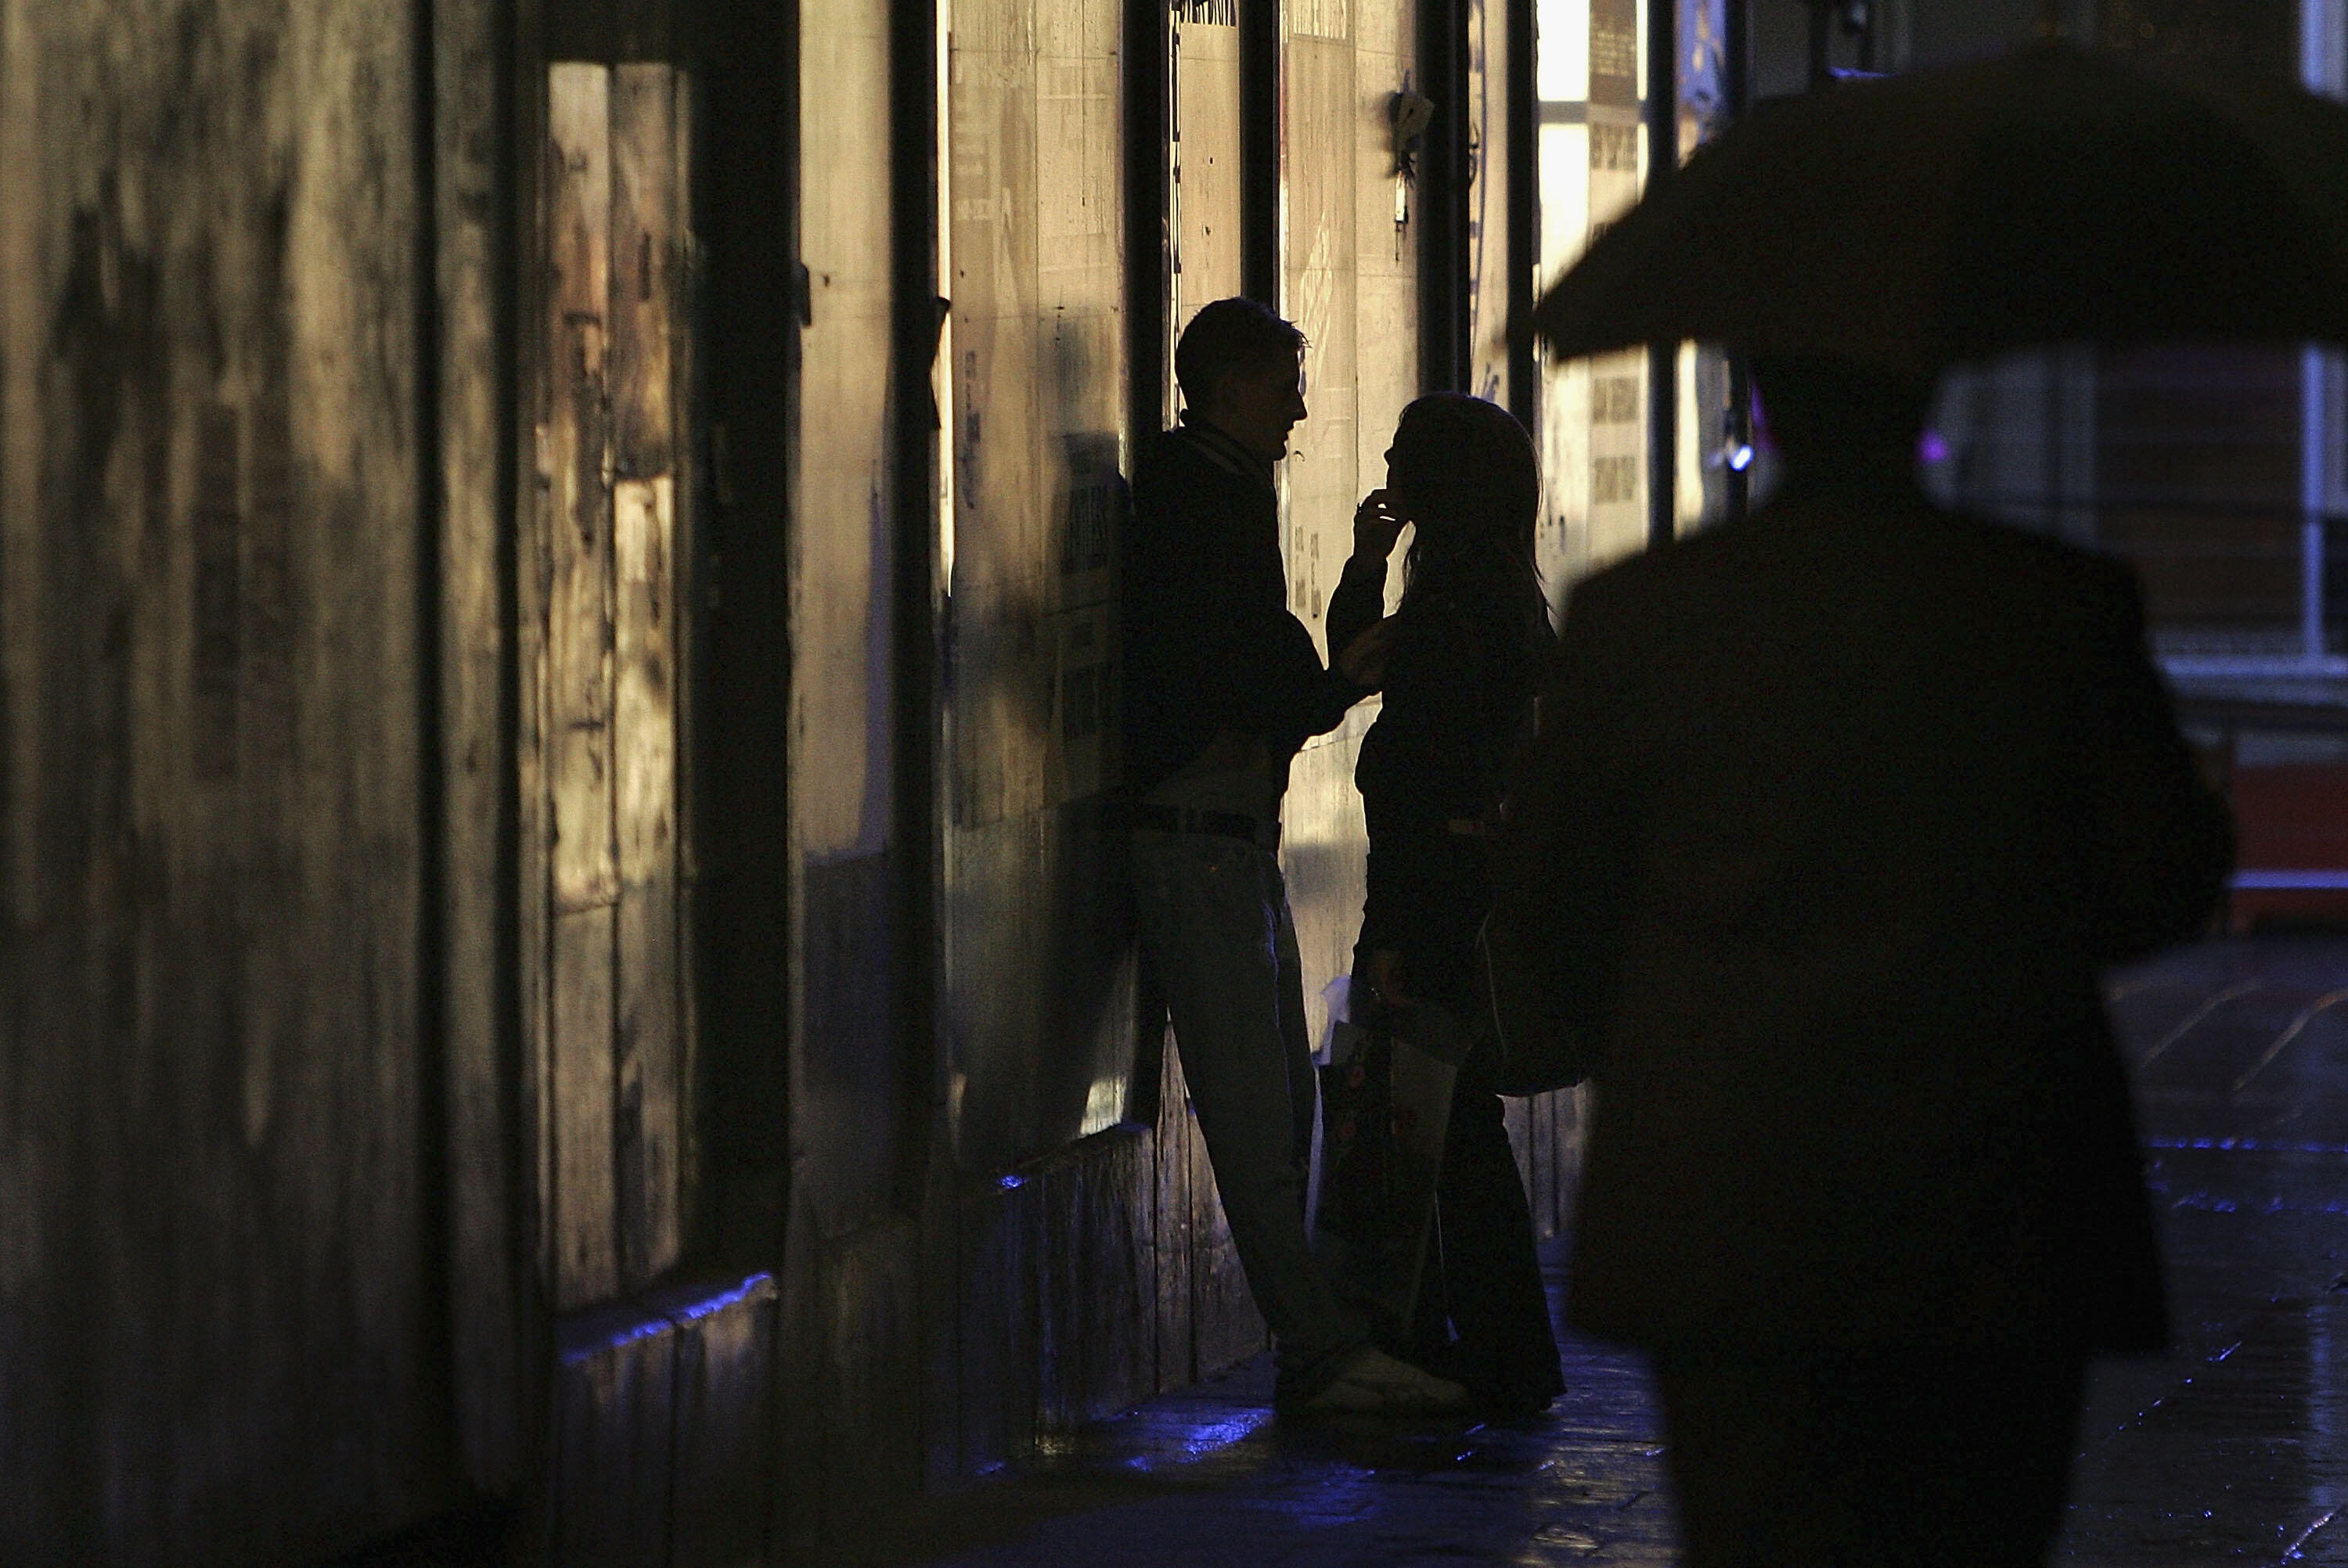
[{"x": 1223, "y": 687}]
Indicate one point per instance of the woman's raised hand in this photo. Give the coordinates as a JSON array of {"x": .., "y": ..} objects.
[{"x": 1377, "y": 523}]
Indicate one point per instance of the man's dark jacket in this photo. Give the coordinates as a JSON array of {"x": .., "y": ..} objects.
[
  {"x": 1837, "y": 817},
  {"x": 1209, "y": 642}
]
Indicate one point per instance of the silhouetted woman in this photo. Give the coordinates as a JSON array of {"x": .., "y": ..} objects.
[{"x": 1461, "y": 656}]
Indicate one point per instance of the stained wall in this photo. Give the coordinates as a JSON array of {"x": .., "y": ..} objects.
[
  {"x": 220, "y": 1338},
  {"x": 397, "y": 556}
]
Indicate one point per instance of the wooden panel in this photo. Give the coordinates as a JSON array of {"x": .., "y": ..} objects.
[
  {"x": 1039, "y": 964},
  {"x": 723, "y": 1500},
  {"x": 663, "y": 1442},
  {"x": 689, "y": 589},
  {"x": 1038, "y": 346},
  {"x": 31, "y": 263},
  {"x": 614, "y": 1420},
  {"x": 647, "y": 1037},
  {"x": 996, "y": 1365},
  {"x": 1092, "y": 1279},
  {"x": 535, "y": 525},
  {"x": 1205, "y": 189},
  {"x": 584, "y": 1210},
  {"x": 579, "y": 536},
  {"x": 1003, "y": 694},
  {"x": 854, "y": 1355},
  {"x": 1322, "y": 124},
  {"x": 647, "y": 220},
  {"x": 1226, "y": 1329},
  {"x": 854, "y": 1422},
  {"x": 578, "y": 676},
  {"x": 476, "y": 750},
  {"x": 840, "y": 541},
  {"x": 1177, "y": 1213},
  {"x": 648, "y": 244}
]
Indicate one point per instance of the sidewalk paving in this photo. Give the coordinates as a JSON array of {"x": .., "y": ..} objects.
[{"x": 2233, "y": 1449}]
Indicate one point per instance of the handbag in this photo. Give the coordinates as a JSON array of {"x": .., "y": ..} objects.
[{"x": 1515, "y": 1022}]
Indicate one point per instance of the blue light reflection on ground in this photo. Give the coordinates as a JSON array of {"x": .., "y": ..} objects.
[
  {"x": 1196, "y": 1440},
  {"x": 1205, "y": 1439},
  {"x": 2247, "y": 1145}
]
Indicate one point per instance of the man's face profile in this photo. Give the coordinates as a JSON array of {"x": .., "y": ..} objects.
[{"x": 1258, "y": 407}]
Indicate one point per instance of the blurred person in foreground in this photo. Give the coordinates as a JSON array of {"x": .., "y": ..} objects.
[
  {"x": 1837, "y": 816},
  {"x": 1223, "y": 686},
  {"x": 1468, "y": 641}
]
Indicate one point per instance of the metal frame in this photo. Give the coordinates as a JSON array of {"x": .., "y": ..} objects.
[
  {"x": 1261, "y": 175},
  {"x": 1443, "y": 212},
  {"x": 916, "y": 603},
  {"x": 1660, "y": 111},
  {"x": 1737, "y": 51},
  {"x": 1148, "y": 90},
  {"x": 1523, "y": 118}
]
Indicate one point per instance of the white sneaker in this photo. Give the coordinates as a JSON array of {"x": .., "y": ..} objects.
[{"x": 1375, "y": 1384}]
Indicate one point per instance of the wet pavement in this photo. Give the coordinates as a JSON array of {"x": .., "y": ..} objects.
[{"x": 2233, "y": 1449}]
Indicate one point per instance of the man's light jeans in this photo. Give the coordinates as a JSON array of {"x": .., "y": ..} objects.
[{"x": 1216, "y": 933}]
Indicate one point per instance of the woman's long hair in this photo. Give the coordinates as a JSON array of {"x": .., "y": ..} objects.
[{"x": 1464, "y": 472}]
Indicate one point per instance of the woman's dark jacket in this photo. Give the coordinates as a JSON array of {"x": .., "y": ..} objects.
[{"x": 1456, "y": 705}]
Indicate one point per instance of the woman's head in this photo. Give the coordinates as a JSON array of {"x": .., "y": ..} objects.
[{"x": 1463, "y": 471}]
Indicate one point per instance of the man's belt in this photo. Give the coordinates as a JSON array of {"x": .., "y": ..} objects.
[{"x": 1187, "y": 819}]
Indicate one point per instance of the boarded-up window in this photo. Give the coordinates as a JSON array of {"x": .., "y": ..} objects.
[{"x": 601, "y": 783}]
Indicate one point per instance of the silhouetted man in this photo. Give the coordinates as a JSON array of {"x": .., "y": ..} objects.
[
  {"x": 1837, "y": 816},
  {"x": 1224, "y": 685}
]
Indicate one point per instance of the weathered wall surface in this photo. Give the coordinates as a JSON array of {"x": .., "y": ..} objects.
[
  {"x": 216, "y": 1330},
  {"x": 853, "y": 1306},
  {"x": 353, "y": 1090},
  {"x": 1040, "y": 981}
]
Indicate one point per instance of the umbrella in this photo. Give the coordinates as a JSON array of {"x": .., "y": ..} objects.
[{"x": 2055, "y": 194}]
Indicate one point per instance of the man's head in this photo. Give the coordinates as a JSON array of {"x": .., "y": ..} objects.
[
  {"x": 1242, "y": 369},
  {"x": 1824, "y": 417}
]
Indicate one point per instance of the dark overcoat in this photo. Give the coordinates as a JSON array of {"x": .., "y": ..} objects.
[{"x": 1837, "y": 817}]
